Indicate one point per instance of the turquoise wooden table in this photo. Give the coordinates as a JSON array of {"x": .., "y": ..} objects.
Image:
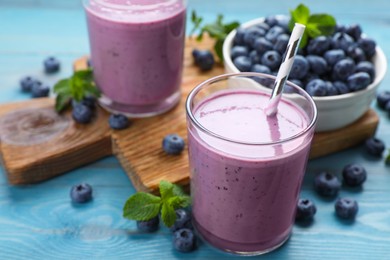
[{"x": 39, "y": 221}]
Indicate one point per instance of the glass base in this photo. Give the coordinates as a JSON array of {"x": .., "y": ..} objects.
[
  {"x": 140, "y": 111},
  {"x": 243, "y": 249}
]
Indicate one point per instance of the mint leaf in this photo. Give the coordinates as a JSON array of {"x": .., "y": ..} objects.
[
  {"x": 179, "y": 202},
  {"x": 178, "y": 191},
  {"x": 62, "y": 102},
  {"x": 196, "y": 20},
  {"x": 62, "y": 86},
  {"x": 86, "y": 75},
  {"x": 142, "y": 206},
  {"x": 168, "y": 214},
  {"x": 301, "y": 15},
  {"x": 324, "y": 23},
  {"x": 166, "y": 190}
]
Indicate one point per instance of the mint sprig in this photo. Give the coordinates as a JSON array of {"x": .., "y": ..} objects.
[
  {"x": 76, "y": 87},
  {"x": 217, "y": 30},
  {"x": 144, "y": 206},
  {"x": 316, "y": 24}
]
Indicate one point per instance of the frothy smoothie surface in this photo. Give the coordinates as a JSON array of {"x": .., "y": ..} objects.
[{"x": 243, "y": 115}]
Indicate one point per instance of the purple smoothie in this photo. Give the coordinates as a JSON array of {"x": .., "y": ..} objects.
[
  {"x": 137, "y": 53},
  {"x": 244, "y": 196}
]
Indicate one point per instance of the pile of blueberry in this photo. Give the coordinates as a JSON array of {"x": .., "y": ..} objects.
[
  {"x": 34, "y": 86},
  {"x": 184, "y": 239},
  {"x": 326, "y": 66}
]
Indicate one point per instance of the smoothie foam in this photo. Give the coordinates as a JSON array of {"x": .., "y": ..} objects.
[{"x": 244, "y": 196}]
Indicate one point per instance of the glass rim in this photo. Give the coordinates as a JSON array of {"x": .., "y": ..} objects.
[
  {"x": 194, "y": 91},
  {"x": 135, "y": 8}
]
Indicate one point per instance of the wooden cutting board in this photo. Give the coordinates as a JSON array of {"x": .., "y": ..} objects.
[{"x": 37, "y": 144}]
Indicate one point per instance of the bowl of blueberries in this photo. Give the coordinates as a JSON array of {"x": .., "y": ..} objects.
[{"x": 341, "y": 72}]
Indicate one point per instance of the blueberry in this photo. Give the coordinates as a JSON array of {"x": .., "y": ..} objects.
[
  {"x": 239, "y": 37},
  {"x": 82, "y": 114},
  {"x": 51, "y": 65},
  {"x": 299, "y": 68},
  {"x": 356, "y": 53},
  {"x": 242, "y": 63},
  {"x": 26, "y": 83},
  {"x": 173, "y": 144},
  {"x": 358, "y": 81},
  {"x": 297, "y": 82},
  {"x": 341, "y": 87},
  {"x": 368, "y": 46},
  {"x": 340, "y": 28},
  {"x": 331, "y": 90},
  {"x": 374, "y": 146},
  {"x": 355, "y": 31},
  {"x": 81, "y": 193},
  {"x": 341, "y": 41},
  {"x": 254, "y": 57},
  {"x": 251, "y": 34},
  {"x": 89, "y": 63},
  {"x": 318, "y": 65},
  {"x": 273, "y": 33},
  {"x": 346, "y": 208},
  {"x": 271, "y": 21},
  {"x": 387, "y": 107},
  {"x": 183, "y": 220},
  {"x": 260, "y": 69},
  {"x": 306, "y": 209},
  {"x": 89, "y": 101},
  {"x": 281, "y": 43},
  {"x": 283, "y": 21},
  {"x": 118, "y": 121},
  {"x": 343, "y": 69},
  {"x": 318, "y": 45},
  {"x": 263, "y": 26},
  {"x": 238, "y": 51},
  {"x": 327, "y": 184},
  {"x": 366, "y": 66},
  {"x": 204, "y": 59},
  {"x": 271, "y": 59},
  {"x": 316, "y": 87},
  {"x": 309, "y": 77},
  {"x": 354, "y": 175},
  {"x": 261, "y": 45},
  {"x": 383, "y": 98},
  {"x": 184, "y": 240},
  {"x": 39, "y": 90},
  {"x": 148, "y": 225},
  {"x": 333, "y": 56}
]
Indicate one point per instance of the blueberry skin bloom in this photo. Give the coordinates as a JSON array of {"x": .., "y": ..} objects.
[
  {"x": 358, "y": 81},
  {"x": 300, "y": 67},
  {"x": 383, "y": 98},
  {"x": 39, "y": 90},
  {"x": 173, "y": 144},
  {"x": 183, "y": 220},
  {"x": 238, "y": 51},
  {"x": 343, "y": 69},
  {"x": 148, "y": 226},
  {"x": 271, "y": 59},
  {"x": 327, "y": 184},
  {"x": 51, "y": 65},
  {"x": 118, "y": 121},
  {"x": 26, "y": 83},
  {"x": 346, "y": 208},
  {"x": 184, "y": 240},
  {"x": 354, "y": 175},
  {"x": 82, "y": 114},
  {"x": 81, "y": 193},
  {"x": 242, "y": 63},
  {"x": 316, "y": 87},
  {"x": 318, "y": 45},
  {"x": 204, "y": 59},
  {"x": 306, "y": 209},
  {"x": 375, "y": 146}
]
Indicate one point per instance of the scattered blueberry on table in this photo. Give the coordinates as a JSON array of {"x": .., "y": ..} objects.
[
  {"x": 81, "y": 193},
  {"x": 173, "y": 144},
  {"x": 118, "y": 121},
  {"x": 184, "y": 240},
  {"x": 183, "y": 220},
  {"x": 38, "y": 89},
  {"x": 346, "y": 208},
  {"x": 26, "y": 83},
  {"x": 383, "y": 98},
  {"x": 149, "y": 226},
  {"x": 89, "y": 101},
  {"x": 306, "y": 209},
  {"x": 354, "y": 175},
  {"x": 344, "y": 57},
  {"x": 51, "y": 65},
  {"x": 82, "y": 114},
  {"x": 375, "y": 146},
  {"x": 204, "y": 59},
  {"x": 327, "y": 184}
]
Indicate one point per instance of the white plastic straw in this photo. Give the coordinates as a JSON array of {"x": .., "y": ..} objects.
[{"x": 285, "y": 68}]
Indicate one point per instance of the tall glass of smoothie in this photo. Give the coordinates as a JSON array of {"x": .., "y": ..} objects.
[
  {"x": 247, "y": 167},
  {"x": 137, "y": 53}
]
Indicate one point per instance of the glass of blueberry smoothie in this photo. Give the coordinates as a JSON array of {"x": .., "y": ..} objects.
[
  {"x": 247, "y": 167},
  {"x": 137, "y": 53}
]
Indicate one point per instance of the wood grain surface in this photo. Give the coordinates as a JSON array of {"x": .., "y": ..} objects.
[{"x": 39, "y": 222}]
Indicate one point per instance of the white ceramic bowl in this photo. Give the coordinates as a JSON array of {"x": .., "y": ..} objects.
[{"x": 334, "y": 112}]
